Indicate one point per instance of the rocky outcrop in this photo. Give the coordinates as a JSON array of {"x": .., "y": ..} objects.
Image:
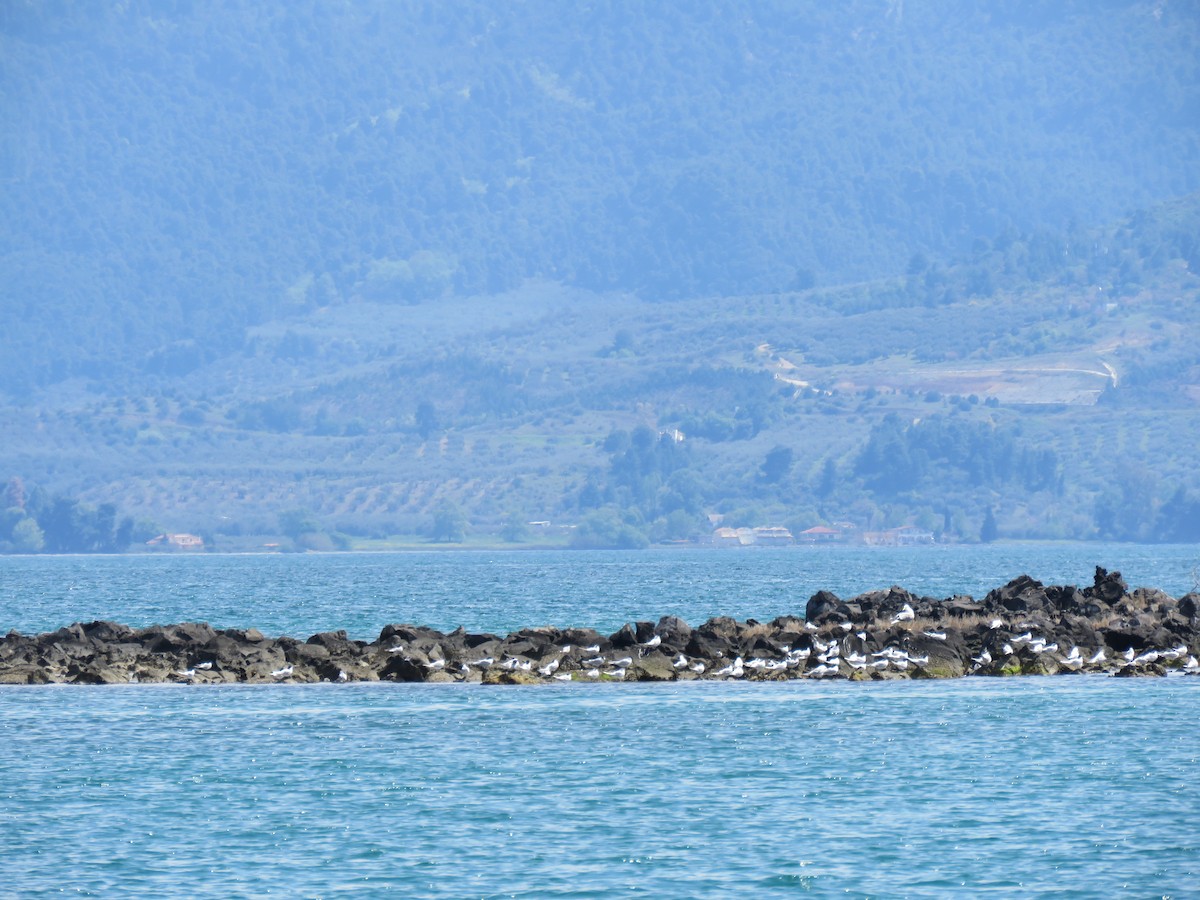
[{"x": 1022, "y": 628}]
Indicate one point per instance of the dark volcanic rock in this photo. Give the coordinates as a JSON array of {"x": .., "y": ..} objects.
[
  {"x": 1021, "y": 595},
  {"x": 825, "y": 606},
  {"x": 1107, "y": 586},
  {"x": 1024, "y": 627}
]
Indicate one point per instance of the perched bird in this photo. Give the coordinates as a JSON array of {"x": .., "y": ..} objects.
[
  {"x": 847, "y": 627},
  {"x": 566, "y": 648},
  {"x": 623, "y": 663},
  {"x": 565, "y": 676},
  {"x": 906, "y": 614},
  {"x": 550, "y": 668},
  {"x": 936, "y": 635},
  {"x": 592, "y": 673},
  {"x": 735, "y": 669},
  {"x": 653, "y": 642},
  {"x": 435, "y": 665},
  {"x": 1129, "y": 655},
  {"x": 615, "y": 673},
  {"x": 698, "y": 668},
  {"x": 595, "y": 662},
  {"x": 1097, "y": 657},
  {"x": 191, "y": 673},
  {"x": 285, "y": 672},
  {"x": 995, "y": 623},
  {"x": 1191, "y": 665},
  {"x": 485, "y": 663},
  {"x": 680, "y": 661},
  {"x": 595, "y": 648},
  {"x": 204, "y": 665},
  {"x": 982, "y": 659}
]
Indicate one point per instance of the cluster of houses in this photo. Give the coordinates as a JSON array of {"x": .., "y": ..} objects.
[{"x": 840, "y": 533}]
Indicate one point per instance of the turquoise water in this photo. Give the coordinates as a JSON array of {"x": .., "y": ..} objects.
[
  {"x": 1070, "y": 786},
  {"x": 1066, "y": 786},
  {"x": 500, "y": 592}
]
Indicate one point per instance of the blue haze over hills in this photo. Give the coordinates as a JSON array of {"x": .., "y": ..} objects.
[{"x": 241, "y": 245}]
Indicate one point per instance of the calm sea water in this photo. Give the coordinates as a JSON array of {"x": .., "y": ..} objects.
[
  {"x": 1072, "y": 786},
  {"x": 500, "y": 592}
]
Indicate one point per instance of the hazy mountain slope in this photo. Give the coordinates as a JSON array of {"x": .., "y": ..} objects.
[
  {"x": 175, "y": 173},
  {"x": 1065, "y": 403}
]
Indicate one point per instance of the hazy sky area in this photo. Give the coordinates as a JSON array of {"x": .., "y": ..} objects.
[{"x": 875, "y": 262}]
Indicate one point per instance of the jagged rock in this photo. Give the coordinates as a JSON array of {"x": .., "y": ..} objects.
[
  {"x": 945, "y": 657},
  {"x": 654, "y": 666},
  {"x": 961, "y": 607},
  {"x": 1189, "y": 605},
  {"x": 824, "y": 606},
  {"x": 1021, "y": 595},
  {"x": 1041, "y": 630},
  {"x": 673, "y": 628},
  {"x": 1107, "y": 586},
  {"x": 625, "y": 637},
  {"x": 26, "y": 673},
  {"x": 705, "y": 645},
  {"x": 399, "y": 668},
  {"x": 500, "y": 676}
]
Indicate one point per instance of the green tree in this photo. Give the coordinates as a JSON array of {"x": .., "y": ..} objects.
[
  {"x": 27, "y": 537},
  {"x": 449, "y": 523},
  {"x": 514, "y": 530},
  {"x": 989, "y": 531},
  {"x": 297, "y": 522},
  {"x": 606, "y": 529},
  {"x": 777, "y": 464}
]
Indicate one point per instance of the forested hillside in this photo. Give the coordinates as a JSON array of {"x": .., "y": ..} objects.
[
  {"x": 175, "y": 173},
  {"x": 1045, "y": 387},
  {"x": 334, "y": 272}
]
